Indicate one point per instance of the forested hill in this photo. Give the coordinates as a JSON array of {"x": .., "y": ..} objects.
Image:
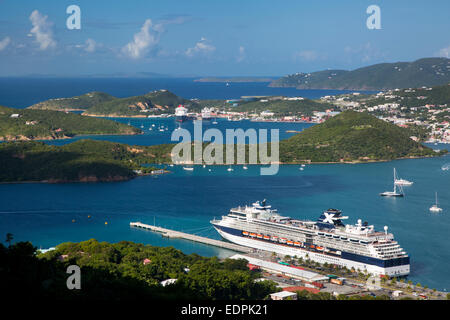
[
  {"x": 80, "y": 161},
  {"x": 423, "y": 72},
  {"x": 28, "y": 124},
  {"x": 102, "y": 104},
  {"x": 352, "y": 137}
]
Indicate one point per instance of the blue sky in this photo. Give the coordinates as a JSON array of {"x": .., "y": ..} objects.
[{"x": 216, "y": 38}]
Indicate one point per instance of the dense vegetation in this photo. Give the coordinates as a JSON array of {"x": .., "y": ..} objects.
[
  {"x": 102, "y": 104},
  {"x": 423, "y": 72},
  {"x": 84, "y": 160},
  {"x": 46, "y": 124},
  {"x": 117, "y": 271},
  {"x": 82, "y": 102},
  {"x": 351, "y": 136}
]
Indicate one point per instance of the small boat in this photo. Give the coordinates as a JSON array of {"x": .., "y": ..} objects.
[
  {"x": 393, "y": 193},
  {"x": 142, "y": 125},
  {"x": 188, "y": 168},
  {"x": 214, "y": 122},
  {"x": 401, "y": 182},
  {"x": 435, "y": 207},
  {"x": 303, "y": 165},
  {"x": 204, "y": 166},
  {"x": 230, "y": 169},
  {"x": 244, "y": 167}
]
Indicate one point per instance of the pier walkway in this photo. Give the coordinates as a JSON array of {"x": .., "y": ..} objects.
[{"x": 177, "y": 234}]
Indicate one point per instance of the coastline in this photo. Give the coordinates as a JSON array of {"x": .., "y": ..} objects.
[{"x": 23, "y": 138}]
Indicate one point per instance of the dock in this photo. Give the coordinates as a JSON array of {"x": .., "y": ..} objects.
[{"x": 186, "y": 236}]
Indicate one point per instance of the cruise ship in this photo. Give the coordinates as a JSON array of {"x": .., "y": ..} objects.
[
  {"x": 181, "y": 113},
  {"x": 206, "y": 114},
  {"x": 327, "y": 240}
]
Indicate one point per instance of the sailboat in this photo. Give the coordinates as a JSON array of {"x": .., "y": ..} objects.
[
  {"x": 401, "y": 182},
  {"x": 230, "y": 169},
  {"x": 393, "y": 193},
  {"x": 435, "y": 207}
]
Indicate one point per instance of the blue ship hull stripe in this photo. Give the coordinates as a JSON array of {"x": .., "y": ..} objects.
[{"x": 345, "y": 255}]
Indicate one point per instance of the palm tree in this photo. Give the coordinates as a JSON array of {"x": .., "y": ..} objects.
[{"x": 9, "y": 238}]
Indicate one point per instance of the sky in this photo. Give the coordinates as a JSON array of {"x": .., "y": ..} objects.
[{"x": 216, "y": 38}]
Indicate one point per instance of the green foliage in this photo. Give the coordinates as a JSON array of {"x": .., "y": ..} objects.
[
  {"x": 423, "y": 72},
  {"x": 351, "y": 136},
  {"x": 117, "y": 271},
  {"x": 45, "y": 124},
  {"x": 83, "y": 160},
  {"x": 155, "y": 102}
]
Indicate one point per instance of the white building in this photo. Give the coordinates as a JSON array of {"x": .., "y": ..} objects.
[{"x": 283, "y": 295}]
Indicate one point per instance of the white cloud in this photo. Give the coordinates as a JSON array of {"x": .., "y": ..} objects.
[
  {"x": 444, "y": 52},
  {"x": 91, "y": 45},
  {"x": 201, "y": 47},
  {"x": 241, "y": 55},
  {"x": 42, "y": 30},
  {"x": 4, "y": 43},
  {"x": 144, "y": 40}
]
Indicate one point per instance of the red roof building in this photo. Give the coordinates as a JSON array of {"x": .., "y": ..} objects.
[{"x": 300, "y": 288}]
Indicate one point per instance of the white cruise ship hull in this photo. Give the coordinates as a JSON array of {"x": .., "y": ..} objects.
[{"x": 396, "y": 271}]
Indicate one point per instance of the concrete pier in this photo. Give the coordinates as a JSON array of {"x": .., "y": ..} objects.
[{"x": 177, "y": 234}]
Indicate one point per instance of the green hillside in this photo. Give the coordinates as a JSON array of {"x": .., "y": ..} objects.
[
  {"x": 351, "y": 136},
  {"x": 84, "y": 160},
  {"x": 284, "y": 107},
  {"x": 46, "y": 124},
  {"x": 82, "y": 102},
  {"x": 423, "y": 72},
  {"x": 102, "y": 104}
]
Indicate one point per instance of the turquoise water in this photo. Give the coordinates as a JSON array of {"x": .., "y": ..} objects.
[
  {"x": 187, "y": 201},
  {"x": 43, "y": 213},
  {"x": 154, "y": 136}
]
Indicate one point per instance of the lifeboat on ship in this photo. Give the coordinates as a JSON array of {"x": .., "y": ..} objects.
[
  {"x": 252, "y": 235},
  {"x": 274, "y": 238},
  {"x": 296, "y": 243},
  {"x": 289, "y": 242},
  {"x": 259, "y": 236},
  {"x": 245, "y": 233},
  {"x": 266, "y": 238},
  {"x": 283, "y": 240},
  {"x": 319, "y": 248}
]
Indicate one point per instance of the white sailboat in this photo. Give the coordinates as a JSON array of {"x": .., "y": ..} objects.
[
  {"x": 393, "y": 193},
  {"x": 401, "y": 182},
  {"x": 435, "y": 207}
]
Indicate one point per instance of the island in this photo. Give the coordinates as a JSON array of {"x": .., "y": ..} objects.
[
  {"x": 30, "y": 124},
  {"x": 349, "y": 137},
  {"x": 423, "y": 72},
  {"x": 80, "y": 161},
  {"x": 98, "y": 104}
]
